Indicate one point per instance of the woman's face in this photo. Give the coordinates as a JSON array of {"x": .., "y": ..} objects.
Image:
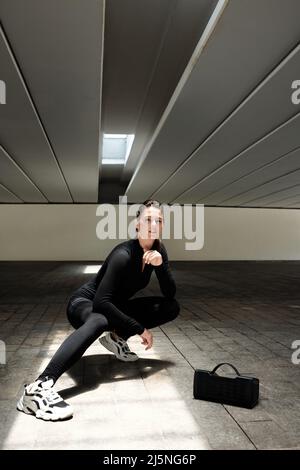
[{"x": 150, "y": 223}]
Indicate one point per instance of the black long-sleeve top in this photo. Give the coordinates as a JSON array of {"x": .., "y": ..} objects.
[{"x": 120, "y": 277}]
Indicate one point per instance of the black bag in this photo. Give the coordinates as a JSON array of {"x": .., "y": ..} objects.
[{"x": 240, "y": 391}]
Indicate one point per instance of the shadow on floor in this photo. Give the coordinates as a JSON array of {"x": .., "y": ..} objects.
[{"x": 93, "y": 370}]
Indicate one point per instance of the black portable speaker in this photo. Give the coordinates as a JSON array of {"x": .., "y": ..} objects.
[{"x": 240, "y": 391}]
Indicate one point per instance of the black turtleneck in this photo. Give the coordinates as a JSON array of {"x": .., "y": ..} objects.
[{"x": 120, "y": 277}]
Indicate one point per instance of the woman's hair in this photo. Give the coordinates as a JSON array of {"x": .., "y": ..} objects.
[{"x": 149, "y": 203}]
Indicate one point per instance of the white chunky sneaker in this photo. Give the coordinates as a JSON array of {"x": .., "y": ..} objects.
[
  {"x": 41, "y": 400},
  {"x": 119, "y": 347}
]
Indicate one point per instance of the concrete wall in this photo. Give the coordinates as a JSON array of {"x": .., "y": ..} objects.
[{"x": 68, "y": 232}]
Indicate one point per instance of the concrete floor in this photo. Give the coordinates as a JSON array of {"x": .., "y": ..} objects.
[{"x": 247, "y": 313}]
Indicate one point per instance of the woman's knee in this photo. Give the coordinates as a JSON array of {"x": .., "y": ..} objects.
[
  {"x": 173, "y": 308},
  {"x": 98, "y": 322}
]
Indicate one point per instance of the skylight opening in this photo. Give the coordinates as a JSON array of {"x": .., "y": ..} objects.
[{"x": 116, "y": 148}]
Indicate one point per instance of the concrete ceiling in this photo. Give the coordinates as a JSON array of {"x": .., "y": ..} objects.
[{"x": 204, "y": 85}]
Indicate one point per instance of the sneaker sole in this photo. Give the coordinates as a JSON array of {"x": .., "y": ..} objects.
[{"x": 21, "y": 407}]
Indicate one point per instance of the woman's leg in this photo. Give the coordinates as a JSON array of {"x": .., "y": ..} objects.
[
  {"x": 150, "y": 312},
  {"x": 89, "y": 326}
]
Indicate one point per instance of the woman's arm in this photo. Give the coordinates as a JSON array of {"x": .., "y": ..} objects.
[
  {"x": 109, "y": 285},
  {"x": 164, "y": 275}
]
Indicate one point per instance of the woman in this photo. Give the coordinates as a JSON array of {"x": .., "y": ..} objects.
[{"x": 102, "y": 304}]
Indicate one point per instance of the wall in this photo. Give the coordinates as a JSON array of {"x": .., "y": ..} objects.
[{"x": 68, "y": 232}]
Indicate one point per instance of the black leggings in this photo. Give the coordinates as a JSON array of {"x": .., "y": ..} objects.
[{"x": 148, "y": 311}]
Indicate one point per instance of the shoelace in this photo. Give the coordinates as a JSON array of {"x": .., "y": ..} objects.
[
  {"x": 126, "y": 349},
  {"x": 51, "y": 395},
  {"x": 124, "y": 346}
]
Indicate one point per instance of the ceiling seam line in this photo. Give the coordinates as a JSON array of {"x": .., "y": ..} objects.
[
  {"x": 18, "y": 166},
  {"x": 11, "y": 192},
  {"x": 289, "y": 197},
  {"x": 100, "y": 143},
  {"x": 283, "y": 156},
  {"x": 272, "y": 192}
]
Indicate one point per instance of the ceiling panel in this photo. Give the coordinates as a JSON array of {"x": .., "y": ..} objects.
[
  {"x": 132, "y": 43},
  {"x": 286, "y": 199},
  {"x": 296, "y": 205},
  {"x": 22, "y": 136},
  {"x": 277, "y": 195},
  {"x": 245, "y": 46},
  {"x": 266, "y": 193},
  {"x": 58, "y": 46},
  {"x": 268, "y": 106},
  {"x": 240, "y": 173},
  {"x": 204, "y": 85},
  {"x": 183, "y": 24},
  {"x": 283, "y": 166}
]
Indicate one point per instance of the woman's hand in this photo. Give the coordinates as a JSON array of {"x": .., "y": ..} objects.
[
  {"x": 147, "y": 338},
  {"x": 152, "y": 257}
]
